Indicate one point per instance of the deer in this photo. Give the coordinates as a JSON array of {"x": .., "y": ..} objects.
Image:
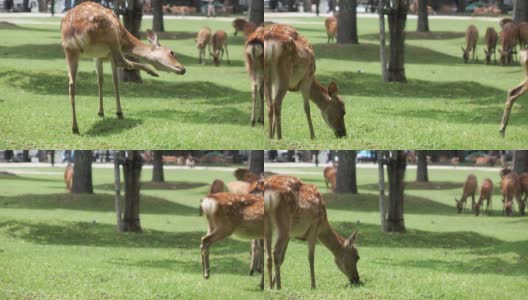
[
  {"x": 254, "y": 57},
  {"x": 329, "y": 174},
  {"x": 470, "y": 188},
  {"x": 227, "y": 214},
  {"x": 238, "y": 25},
  {"x": 289, "y": 64},
  {"x": 249, "y": 28},
  {"x": 331, "y": 28},
  {"x": 523, "y": 180},
  {"x": 491, "y": 39},
  {"x": 514, "y": 94},
  {"x": 297, "y": 210},
  {"x": 510, "y": 188},
  {"x": 486, "y": 191},
  {"x": 235, "y": 187},
  {"x": 471, "y": 43},
  {"x": 245, "y": 175},
  {"x": 68, "y": 177},
  {"x": 219, "y": 45},
  {"x": 91, "y": 30},
  {"x": 202, "y": 41},
  {"x": 523, "y": 34},
  {"x": 509, "y": 37}
]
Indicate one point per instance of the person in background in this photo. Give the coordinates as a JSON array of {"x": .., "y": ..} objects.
[{"x": 211, "y": 9}]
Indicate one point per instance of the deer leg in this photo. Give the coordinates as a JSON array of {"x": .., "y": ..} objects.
[
  {"x": 227, "y": 54},
  {"x": 267, "y": 245},
  {"x": 72, "y": 58},
  {"x": 305, "y": 90},
  {"x": 254, "y": 91},
  {"x": 99, "y": 71},
  {"x": 115, "y": 80},
  {"x": 513, "y": 95},
  {"x": 472, "y": 202},
  {"x": 261, "y": 98},
  {"x": 207, "y": 241},
  {"x": 269, "y": 104},
  {"x": 280, "y": 92},
  {"x": 122, "y": 62},
  {"x": 312, "y": 239}
]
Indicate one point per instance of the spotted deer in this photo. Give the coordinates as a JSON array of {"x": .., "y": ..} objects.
[
  {"x": 515, "y": 93},
  {"x": 254, "y": 56},
  {"x": 289, "y": 65},
  {"x": 470, "y": 189},
  {"x": 486, "y": 191},
  {"x": 91, "y": 30},
  {"x": 219, "y": 45},
  {"x": 331, "y": 28},
  {"x": 202, "y": 41},
  {"x": 294, "y": 209}
]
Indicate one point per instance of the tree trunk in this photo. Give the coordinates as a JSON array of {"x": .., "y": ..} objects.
[
  {"x": 397, "y": 18},
  {"x": 421, "y": 166},
  {"x": 256, "y": 11},
  {"x": 520, "y": 161},
  {"x": 381, "y": 183},
  {"x": 256, "y": 161},
  {"x": 520, "y": 11},
  {"x": 423, "y": 16},
  {"x": 157, "y": 16},
  {"x": 157, "y": 166},
  {"x": 132, "y": 172},
  {"x": 396, "y": 172},
  {"x": 383, "y": 55},
  {"x": 132, "y": 22},
  {"x": 82, "y": 172},
  {"x": 25, "y": 156},
  {"x": 347, "y": 22},
  {"x": 346, "y": 172},
  {"x": 118, "y": 157},
  {"x": 461, "y": 6}
]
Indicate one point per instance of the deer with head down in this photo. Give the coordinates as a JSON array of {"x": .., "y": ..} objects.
[
  {"x": 219, "y": 46},
  {"x": 289, "y": 65},
  {"x": 470, "y": 188},
  {"x": 202, "y": 41},
  {"x": 508, "y": 38},
  {"x": 511, "y": 188},
  {"x": 294, "y": 209},
  {"x": 471, "y": 43},
  {"x": 486, "y": 191},
  {"x": 91, "y": 30},
  {"x": 491, "y": 39},
  {"x": 331, "y": 28},
  {"x": 330, "y": 174}
]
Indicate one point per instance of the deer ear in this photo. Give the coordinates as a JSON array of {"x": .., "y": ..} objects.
[
  {"x": 351, "y": 239},
  {"x": 332, "y": 89},
  {"x": 152, "y": 37}
]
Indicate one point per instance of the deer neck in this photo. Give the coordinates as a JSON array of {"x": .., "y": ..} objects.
[
  {"x": 331, "y": 239},
  {"x": 133, "y": 46},
  {"x": 319, "y": 95}
]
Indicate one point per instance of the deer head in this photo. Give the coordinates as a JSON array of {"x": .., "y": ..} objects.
[
  {"x": 508, "y": 208},
  {"x": 162, "y": 58},
  {"x": 505, "y": 56},
  {"x": 465, "y": 55},
  {"x": 488, "y": 56},
  {"x": 347, "y": 262},
  {"x": 334, "y": 114},
  {"x": 459, "y": 205}
]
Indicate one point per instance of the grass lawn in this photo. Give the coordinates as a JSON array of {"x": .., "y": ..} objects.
[{"x": 54, "y": 245}]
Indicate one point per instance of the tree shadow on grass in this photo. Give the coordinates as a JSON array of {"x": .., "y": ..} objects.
[
  {"x": 221, "y": 115},
  {"x": 25, "y": 178},
  {"x": 413, "y": 35},
  {"x": 97, "y": 202},
  {"x": 108, "y": 126},
  {"x": 10, "y": 26},
  {"x": 105, "y": 235},
  {"x": 413, "y": 185},
  {"x": 168, "y": 185},
  {"x": 55, "y": 84}
]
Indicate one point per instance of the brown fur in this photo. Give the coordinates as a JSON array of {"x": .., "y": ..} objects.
[
  {"x": 331, "y": 28},
  {"x": 491, "y": 39},
  {"x": 245, "y": 175},
  {"x": 329, "y": 174},
  {"x": 486, "y": 192},
  {"x": 511, "y": 188},
  {"x": 485, "y": 161},
  {"x": 508, "y": 37},
  {"x": 523, "y": 34},
  {"x": 289, "y": 65},
  {"x": 202, "y": 41},
  {"x": 254, "y": 57},
  {"x": 471, "y": 43},
  {"x": 297, "y": 210},
  {"x": 238, "y": 25},
  {"x": 219, "y": 46},
  {"x": 217, "y": 186},
  {"x": 68, "y": 177},
  {"x": 470, "y": 189},
  {"x": 248, "y": 29}
]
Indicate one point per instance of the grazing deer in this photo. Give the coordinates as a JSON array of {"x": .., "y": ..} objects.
[
  {"x": 486, "y": 191},
  {"x": 329, "y": 174},
  {"x": 219, "y": 45},
  {"x": 491, "y": 39},
  {"x": 227, "y": 214},
  {"x": 68, "y": 177},
  {"x": 289, "y": 64},
  {"x": 470, "y": 188},
  {"x": 523, "y": 34},
  {"x": 202, "y": 41},
  {"x": 239, "y": 24},
  {"x": 523, "y": 179},
  {"x": 485, "y": 161},
  {"x": 254, "y": 56},
  {"x": 509, "y": 37},
  {"x": 245, "y": 175},
  {"x": 331, "y": 28},
  {"x": 92, "y": 30},
  {"x": 297, "y": 210},
  {"x": 515, "y": 93},
  {"x": 249, "y": 28},
  {"x": 510, "y": 188},
  {"x": 471, "y": 43}
]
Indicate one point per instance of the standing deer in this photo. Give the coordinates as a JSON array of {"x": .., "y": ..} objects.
[
  {"x": 515, "y": 93},
  {"x": 523, "y": 34},
  {"x": 92, "y": 30},
  {"x": 509, "y": 37},
  {"x": 297, "y": 210},
  {"x": 510, "y": 188},
  {"x": 238, "y": 25},
  {"x": 202, "y": 41},
  {"x": 523, "y": 179},
  {"x": 471, "y": 43},
  {"x": 219, "y": 45},
  {"x": 331, "y": 28},
  {"x": 254, "y": 55},
  {"x": 470, "y": 188},
  {"x": 68, "y": 177},
  {"x": 227, "y": 214},
  {"x": 329, "y": 174},
  {"x": 486, "y": 191},
  {"x": 289, "y": 64},
  {"x": 491, "y": 39}
]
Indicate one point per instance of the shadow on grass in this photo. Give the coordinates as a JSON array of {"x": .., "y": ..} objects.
[
  {"x": 109, "y": 126},
  {"x": 10, "y": 26},
  {"x": 413, "y": 185},
  {"x": 25, "y": 178},
  {"x": 220, "y": 115},
  {"x": 98, "y": 202},
  {"x": 54, "y": 84},
  {"x": 413, "y": 35},
  {"x": 105, "y": 235},
  {"x": 168, "y": 185}
]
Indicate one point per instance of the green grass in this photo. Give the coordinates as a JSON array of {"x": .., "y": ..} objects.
[{"x": 54, "y": 245}]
